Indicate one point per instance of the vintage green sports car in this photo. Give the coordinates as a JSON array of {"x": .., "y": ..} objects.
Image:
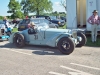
[{"x": 64, "y": 39}]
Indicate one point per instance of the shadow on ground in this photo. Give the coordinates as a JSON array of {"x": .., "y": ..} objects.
[{"x": 39, "y": 50}]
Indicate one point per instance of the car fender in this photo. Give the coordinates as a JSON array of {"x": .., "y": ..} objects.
[
  {"x": 11, "y": 39},
  {"x": 63, "y": 35},
  {"x": 81, "y": 30},
  {"x": 54, "y": 39}
]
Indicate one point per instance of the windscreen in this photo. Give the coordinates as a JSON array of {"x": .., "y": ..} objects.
[{"x": 25, "y": 21}]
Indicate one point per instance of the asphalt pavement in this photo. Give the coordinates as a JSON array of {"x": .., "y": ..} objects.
[{"x": 39, "y": 60}]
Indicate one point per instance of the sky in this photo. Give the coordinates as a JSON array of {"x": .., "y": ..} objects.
[{"x": 4, "y": 7}]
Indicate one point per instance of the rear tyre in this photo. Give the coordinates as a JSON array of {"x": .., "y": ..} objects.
[
  {"x": 19, "y": 40},
  {"x": 83, "y": 41},
  {"x": 66, "y": 45}
]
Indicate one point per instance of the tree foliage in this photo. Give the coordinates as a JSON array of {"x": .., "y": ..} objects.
[
  {"x": 14, "y": 8},
  {"x": 17, "y": 14},
  {"x": 25, "y": 6},
  {"x": 1, "y": 17},
  {"x": 37, "y": 6},
  {"x": 63, "y": 3}
]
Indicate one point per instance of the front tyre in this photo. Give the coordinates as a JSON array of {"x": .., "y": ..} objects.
[
  {"x": 66, "y": 45},
  {"x": 19, "y": 40}
]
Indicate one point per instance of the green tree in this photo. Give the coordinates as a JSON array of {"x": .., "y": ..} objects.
[
  {"x": 55, "y": 13},
  {"x": 25, "y": 6},
  {"x": 37, "y": 6},
  {"x": 63, "y": 3},
  {"x": 14, "y": 8},
  {"x": 1, "y": 17},
  {"x": 17, "y": 14}
]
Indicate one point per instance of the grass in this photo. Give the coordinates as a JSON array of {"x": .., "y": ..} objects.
[
  {"x": 62, "y": 27},
  {"x": 90, "y": 43}
]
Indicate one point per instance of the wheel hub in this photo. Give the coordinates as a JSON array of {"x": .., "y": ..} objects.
[
  {"x": 19, "y": 40},
  {"x": 65, "y": 45}
]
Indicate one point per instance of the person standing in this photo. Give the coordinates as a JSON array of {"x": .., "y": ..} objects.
[
  {"x": 5, "y": 21},
  {"x": 7, "y": 25},
  {"x": 26, "y": 17},
  {"x": 94, "y": 20}
]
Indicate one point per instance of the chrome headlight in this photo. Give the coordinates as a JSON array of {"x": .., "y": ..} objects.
[{"x": 74, "y": 33}]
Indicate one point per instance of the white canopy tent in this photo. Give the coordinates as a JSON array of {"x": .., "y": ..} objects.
[{"x": 78, "y": 11}]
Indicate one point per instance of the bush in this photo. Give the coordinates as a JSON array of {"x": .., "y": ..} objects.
[
  {"x": 63, "y": 27},
  {"x": 1, "y": 17}
]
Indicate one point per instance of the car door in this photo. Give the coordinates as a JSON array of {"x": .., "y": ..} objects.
[
  {"x": 32, "y": 36},
  {"x": 36, "y": 38}
]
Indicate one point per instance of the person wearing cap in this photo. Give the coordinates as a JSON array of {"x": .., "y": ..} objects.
[
  {"x": 6, "y": 23},
  {"x": 32, "y": 25},
  {"x": 33, "y": 28},
  {"x": 94, "y": 20},
  {"x": 26, "y": 17}
]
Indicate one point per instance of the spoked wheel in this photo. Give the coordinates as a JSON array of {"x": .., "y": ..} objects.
[
  {"x": 66, "y": 45},
  {"x": 19, "y": 40},
  {"x": 83, "y": 41}
]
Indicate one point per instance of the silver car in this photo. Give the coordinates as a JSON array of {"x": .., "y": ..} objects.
[{"x": 64, "y": 39}]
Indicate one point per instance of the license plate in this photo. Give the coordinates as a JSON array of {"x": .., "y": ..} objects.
[{"x": 22, "y": 26}]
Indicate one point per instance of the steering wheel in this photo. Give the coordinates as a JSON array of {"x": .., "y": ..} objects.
[{"x": 32, "y": 31}]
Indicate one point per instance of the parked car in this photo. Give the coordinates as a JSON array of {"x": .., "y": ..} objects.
[
  {"x": 25, "y": 23},
  {"x": 64, "y": 39},
  {"x": 63, "y": 18},
  {"x": 53, "y": 20}
]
